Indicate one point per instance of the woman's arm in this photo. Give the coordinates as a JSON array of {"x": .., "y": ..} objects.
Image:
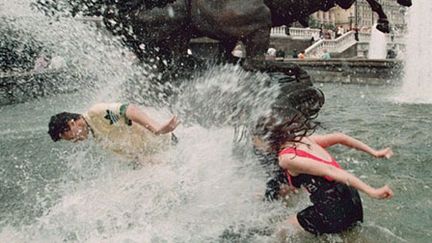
[
  {"x": 135, "y": 114},
  {"x": 300, "y": 165},
  {"x": 340, "y": 138}
]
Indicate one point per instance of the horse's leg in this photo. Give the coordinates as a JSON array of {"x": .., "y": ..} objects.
[
  {"x": 227, "y": 48},
  {"x": 304, "y": 21},
  {"x": 174, "y": 57},
  {"x": 383, "y": 23},
  {"x": 326, "y": 5},
  {"x": 160, "y": 23},
  {"x": 235, "y": 20},
  {"x": 256, "y": 46},
  {"x": 406, "y": 3},
  {"x": 345, "y": 4}
]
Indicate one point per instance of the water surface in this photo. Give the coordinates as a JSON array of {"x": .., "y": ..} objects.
[{"x": 200, "y": 190}]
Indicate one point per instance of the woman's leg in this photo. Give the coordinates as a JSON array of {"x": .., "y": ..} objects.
[{"x": 293, "y": 222}]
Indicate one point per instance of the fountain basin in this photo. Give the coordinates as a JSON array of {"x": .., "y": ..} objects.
[
  {"x": 23, "y": 86},
  {"x": 351, "y": 71}
]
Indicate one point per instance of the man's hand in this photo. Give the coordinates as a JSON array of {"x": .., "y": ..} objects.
[
  {"x": 169, "y": 126},
  {"x": 135, "y": 114}
]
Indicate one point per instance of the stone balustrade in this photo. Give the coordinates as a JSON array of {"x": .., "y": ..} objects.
[
  {"x": 279, "y": 31},
  {"x": 335, "y": 45},
  {"x": 295, "y": 33},
  {"x": 304, "y": 33},
  {"x": 346, "y": 41},
  {"x": 396, "y": 39}
]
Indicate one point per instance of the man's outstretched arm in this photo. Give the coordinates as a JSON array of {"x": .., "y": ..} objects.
[{"x": 135, "y": 114}]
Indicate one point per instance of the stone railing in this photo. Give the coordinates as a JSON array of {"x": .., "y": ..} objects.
[
  {"x": 396, "y": 39},
  {"x": 364, "y": 37},
  {"x": 279, "y": 31},
  {"x": 346, "y": 41},
  {"x": 335, "y": 46},
  {"x": 295, "y": 33},
  {"x": 302, "y": 33}
]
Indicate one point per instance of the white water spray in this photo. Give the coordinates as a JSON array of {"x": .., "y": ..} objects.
[
  {"x": 378, "y": 44},
  {"x": 417, "y": 85},
  {"x": 196, "y": 192}
]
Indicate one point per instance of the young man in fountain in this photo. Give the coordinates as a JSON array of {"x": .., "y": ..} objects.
[{"x": 122, "y": 128}]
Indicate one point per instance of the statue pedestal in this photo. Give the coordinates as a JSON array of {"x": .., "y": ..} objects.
[{"x": 352, "y": 71}]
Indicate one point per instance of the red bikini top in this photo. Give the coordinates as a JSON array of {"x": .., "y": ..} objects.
[{"x": 304, "y": 154}]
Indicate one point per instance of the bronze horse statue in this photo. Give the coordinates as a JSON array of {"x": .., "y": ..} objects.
[
  {"x": 163, "y": 28},
  {"x": 171, "y": 26}
]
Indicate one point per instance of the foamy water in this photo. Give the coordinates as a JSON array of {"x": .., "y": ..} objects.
[
  {"x": 377, "y": 44},
  {"x": 417, "y": 84},
  {"x": 195, "y": 192},
  {"x": 206, "y": 188}
]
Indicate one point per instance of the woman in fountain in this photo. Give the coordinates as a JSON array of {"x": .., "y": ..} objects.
[
  {"x": 333, "y": 191},
  {"x": 122, "y": 128}
]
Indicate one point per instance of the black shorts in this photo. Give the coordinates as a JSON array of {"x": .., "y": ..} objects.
[{"x": 337, "y": 211}]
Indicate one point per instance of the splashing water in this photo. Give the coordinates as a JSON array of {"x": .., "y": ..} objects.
[
  {"x": 195, "y": 195},
  {"x": 92, "y": 58},
  {"x": 197, "y": 191},
  {"x": 378, "y": 44},
  {"x": 417, "y": 85}
]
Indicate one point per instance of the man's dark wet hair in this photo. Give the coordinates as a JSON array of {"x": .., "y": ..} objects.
[{"x": 59, "y": 124}]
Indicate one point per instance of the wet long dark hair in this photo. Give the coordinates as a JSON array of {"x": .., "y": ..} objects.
[{"x": 282, "y": 126}]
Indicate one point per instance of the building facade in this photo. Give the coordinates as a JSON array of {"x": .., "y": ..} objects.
[{"x": 323, "y": 19}]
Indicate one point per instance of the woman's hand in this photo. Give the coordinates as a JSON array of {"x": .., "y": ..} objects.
[
  {"x": 381, "y": 193},
  {"x": 383, "y": 153},
  {"x": 286, "y": 190}
]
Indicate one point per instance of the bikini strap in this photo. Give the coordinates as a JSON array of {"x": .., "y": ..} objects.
[
  {"x": 302, "y": 153},
  {"x": 305, "y": 154}
]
